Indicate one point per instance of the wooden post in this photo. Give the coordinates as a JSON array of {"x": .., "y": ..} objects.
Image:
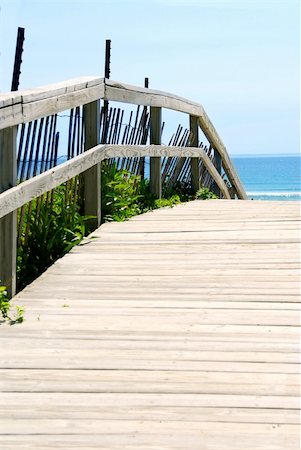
[
  {"x": 218, "y": 166},
  {"x": 155, "y": 162},
  {"x": 194, "y": 162},
  {"x": 8, "y": 223},
  {"x": 91, "y": 178}
]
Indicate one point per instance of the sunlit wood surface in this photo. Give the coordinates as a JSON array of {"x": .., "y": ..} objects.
[{"x": 175, "y": 330}]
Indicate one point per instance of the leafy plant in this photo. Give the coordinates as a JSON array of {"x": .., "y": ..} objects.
[
  {"x": 5, "y": 308},
  {"x": 125, "y": 195},
  {"x": 205, "y": 194},
  {"x": 120, "y": 194},
  {"x": 4, "y": 302},
  {"x": 51, "y": 229},
  {"x": 170, "y": 202},
  {"x": 181, "y": 188}
]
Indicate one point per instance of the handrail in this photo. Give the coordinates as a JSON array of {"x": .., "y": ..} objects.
[
  {"x": 21, "y": 194},
  {"x": 25, "y": 106}
]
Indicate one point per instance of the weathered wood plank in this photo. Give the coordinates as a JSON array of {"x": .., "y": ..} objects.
[
  {"x": 8, "y": 224},
  {"x": 143, "y": 434},
  {"x": 137, "y": 95},
  {"x": 15, "y": 380},
  {"x": 27, "y": 105}
]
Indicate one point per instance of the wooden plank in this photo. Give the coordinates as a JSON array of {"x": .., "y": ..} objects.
[
  {"x": 27, "y": 105},
  {"x": 142, "y": 434},
  {"x": 125, "y": 93},
  {"x": 151, "y": 354},
  {"x": 216, "y": 142},
  {"x": 154, "y": 412},
  {"x": 164, "y": 343},
  {"x": 15, "y": 380},
  {"x": 142, "y": 399},
  {"x": 8, "y": 223},
  {"x": 209, "y": 431}
]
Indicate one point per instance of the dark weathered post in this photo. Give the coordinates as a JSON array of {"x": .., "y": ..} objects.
[
  {"x": 91, "y": 178},
  {"x": 194, "y": 162},
  {"x": 218, "y": 166},
  {"x": 8, "y": 223},
  {"x": 18, "y": 59},
  {"x": 155, "y": 162}
]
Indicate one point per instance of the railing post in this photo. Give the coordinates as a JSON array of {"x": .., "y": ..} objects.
[
  {"x": 155, "y": 162},
  {"x": 194, "y": 162},
  {"x": 91, "y": 178},
  {"x": 218, "y": 166},
  {"x": 8, "y": 223}
]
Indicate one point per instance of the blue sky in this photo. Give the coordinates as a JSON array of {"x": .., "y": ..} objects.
[{"x": 240, "y": 59}]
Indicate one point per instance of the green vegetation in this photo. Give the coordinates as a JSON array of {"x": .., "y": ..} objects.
[
  {"x": 5, "y": 309},
  {"x": 204, "y": 194},
  {"x": 51, "y": 227},
  {"x": 4, "y": 302},
  {"x": 125, "y": 195}
]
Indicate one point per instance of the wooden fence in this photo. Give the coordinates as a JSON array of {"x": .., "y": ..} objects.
[{"x": 25, "y": 106}]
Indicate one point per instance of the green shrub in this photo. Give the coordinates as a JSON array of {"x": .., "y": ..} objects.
[
  {"x": 125, "y": 195},
  {"x": 205, "y": 194},
  {"x": 170, "y": 202},
  {"x": 5, "y": 308},
  {"x": 120, "y": 194},
  {"x": 4, "y": 302},
  {"x": 181, "y": 188},
  {"x": 50, "y": 229}
]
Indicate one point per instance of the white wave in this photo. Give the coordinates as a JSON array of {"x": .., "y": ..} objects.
[{"x": 275, "y": 194}]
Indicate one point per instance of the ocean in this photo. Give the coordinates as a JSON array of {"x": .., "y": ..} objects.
[
  {"x": 275, "y": 177},
  {"x": 264, "y": 177}
]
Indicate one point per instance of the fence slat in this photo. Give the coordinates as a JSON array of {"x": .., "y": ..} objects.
[
  {"x": 155, "y": 163},
  {"x": 194, "y": 162},
  {"x": 218, "y": 166}
]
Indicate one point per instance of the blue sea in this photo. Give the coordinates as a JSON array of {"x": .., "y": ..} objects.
[{"x": 274, "y": 177}]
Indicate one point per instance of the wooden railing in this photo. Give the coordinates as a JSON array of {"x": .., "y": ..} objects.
[{"x": 24, "y": 106}]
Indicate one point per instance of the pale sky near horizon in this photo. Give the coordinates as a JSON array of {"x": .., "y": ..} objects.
[{"x": 240, "y": 59}]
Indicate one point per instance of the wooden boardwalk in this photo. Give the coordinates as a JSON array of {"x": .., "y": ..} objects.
[{"x": 175, "y": 330}]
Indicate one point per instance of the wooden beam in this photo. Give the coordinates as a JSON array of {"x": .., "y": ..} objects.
[
  {"x": 137, "y": 95},
  {"x": 194, "y": 162},
  {"x": 24, "y": 106},
  {"x": 155, "y": 163},
  {"x": 91, "y": 177},
  {"x": 216, "y": 142},
  {"x": 8, "y": 223}
]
